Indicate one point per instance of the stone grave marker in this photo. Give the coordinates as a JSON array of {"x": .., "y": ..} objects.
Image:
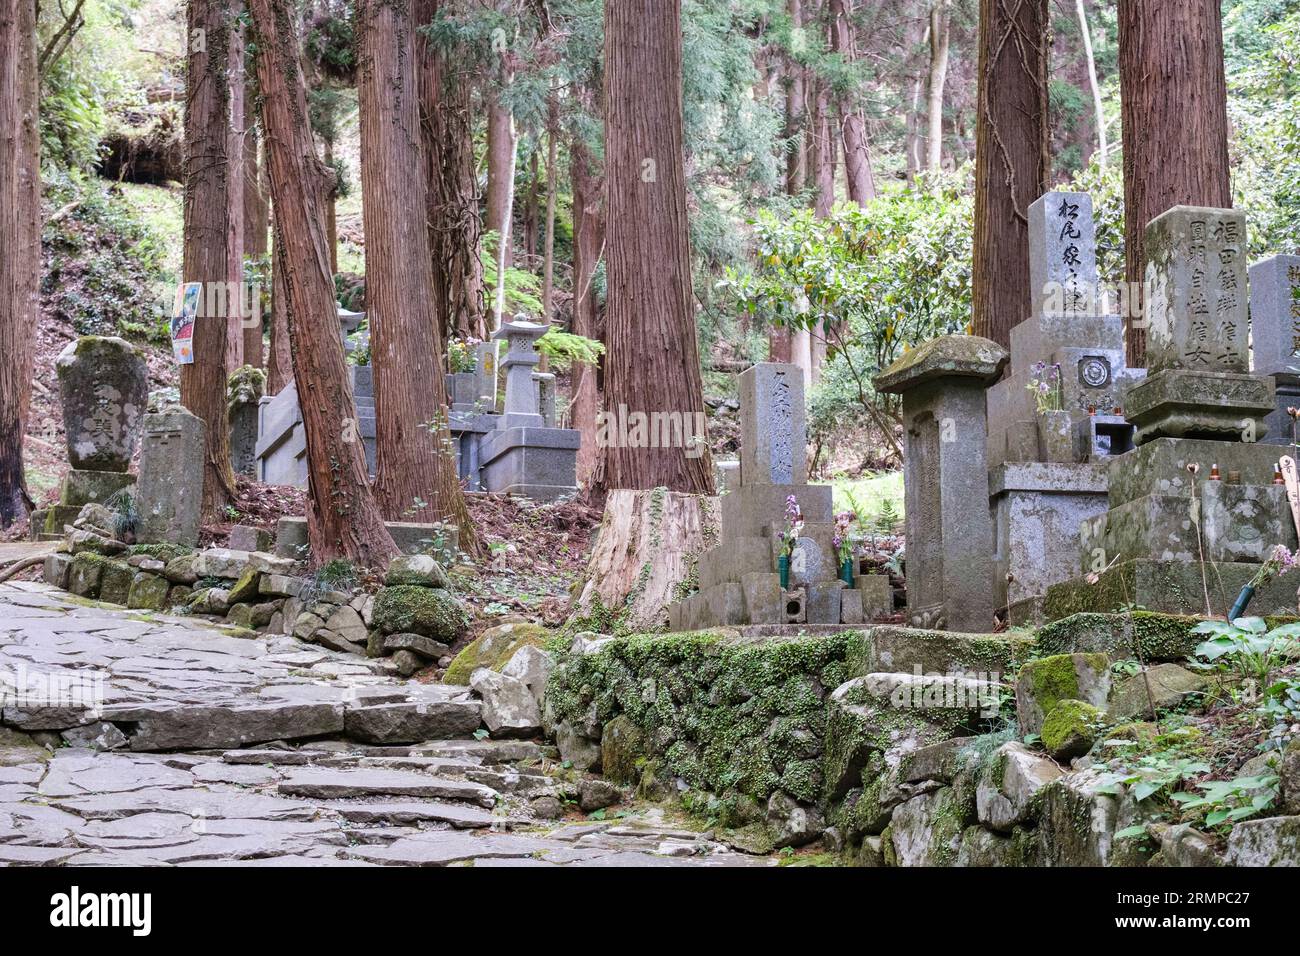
[
  {"x": 1062, "y": 254},
  {"x": 1275, "y": 337},
  {"x": 170, "y": 495}
]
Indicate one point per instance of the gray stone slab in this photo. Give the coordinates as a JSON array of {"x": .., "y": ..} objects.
[
  {"x": 773, "y": 425},
  {"x": 1196, "y": 293},
  {"x": 1062, "y": 254},
  {"x": 169, "y": 495},
  {"x": 1275, "y": 315}
]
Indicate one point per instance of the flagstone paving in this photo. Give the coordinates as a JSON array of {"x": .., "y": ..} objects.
[{"x": 171, "y": 742}]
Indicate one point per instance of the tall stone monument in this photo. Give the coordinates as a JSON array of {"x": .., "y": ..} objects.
[
  {"x": 170, "y": 495},
  {"x": 103, "y": 384},
  {"x": 945, "y": 479},
  {"x": 1056, "y": 417},
  {"x": 1275, "y": 338},
  {"x": 739, "y": 580},
  {"x": 1194, "y": 509}
]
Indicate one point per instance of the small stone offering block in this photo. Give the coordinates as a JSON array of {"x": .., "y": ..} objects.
[{"x": 1196, "y": 294}]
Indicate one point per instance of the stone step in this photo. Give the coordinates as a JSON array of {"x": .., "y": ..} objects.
[
  {"x": 899, "y": 649},
  {"x": 335, "y": 783}
]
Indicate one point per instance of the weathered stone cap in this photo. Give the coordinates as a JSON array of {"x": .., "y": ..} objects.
[{"x": 949, "y": 356}]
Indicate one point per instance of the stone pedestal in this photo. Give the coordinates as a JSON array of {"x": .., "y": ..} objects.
[
  {"x": 1038, "y": 508},
  {"x": 170, "y": 495},
  {"x": 539, "y": 463},
  {"x": 949, "y": 541}
]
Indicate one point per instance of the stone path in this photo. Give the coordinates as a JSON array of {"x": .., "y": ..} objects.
[
  {"x": 177, "y": 744},
  {"x": 11, "y": 551}
]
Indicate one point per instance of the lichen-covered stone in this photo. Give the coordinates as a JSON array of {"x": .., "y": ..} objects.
[
  {"x": 148, "y": 591},
  {"x": 115, "y": 585},
  {"x": 245, "y": 589},
  {"x": 622, "y": 750},
  {"x": 1141, "y": 635},
  {"x": 491, "y": 649},
  {"x": 1274, "y": 841},
  {"x": 1009, "y": 784},
  {"x": 1165, "y": 685},
  {"x": 927, "y": 830},
  {"x": 1071, "y": 728},
  {"x": 103, "y": 383},
  {"x": 432, "y": 612},
  {"x": 981, "y": 848},
  {"x": 1041, "y": 683},
  {"x": 417, "y": 569},
  {"x": 944, "y": 357}
]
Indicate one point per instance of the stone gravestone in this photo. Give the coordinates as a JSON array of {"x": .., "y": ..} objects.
[
  {"x": 1176, "y": 536},
  {"x": 945, "y": 479},
  {"x": 1197, "y": 333},
  {"x": 104, "y": 388},
  {"x": 1047, "y": 467},
  {"x": 247, "y": 385},
  {"x": 739, "y": 583},
  {"x": 170, "y": 496},
  {"x": 1275, "y": 337}
]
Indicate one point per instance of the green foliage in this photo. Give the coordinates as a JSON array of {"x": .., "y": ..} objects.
[
  {"x": 1247, "y": 647},
  {"x": 564, "y": 348},
  {"x": 523, "y": 292},
  {"x": 1228, "y": 801},
  {"x": 103, "y": 270},
  {"x": 1280, "y": 707}
]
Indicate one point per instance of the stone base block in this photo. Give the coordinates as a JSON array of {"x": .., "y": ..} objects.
[
  {"x": 851, "y": 606},
  {"x": 1173, "y": 587},
  {"x": 750, "y": 510},
  {"x": 1180, "y": 403},
  {"x": 58, "y": 517},
  {"x": 762, "y": 597},
  {"x": 823, "y": 603},
  {"x": 877, "y": 595},
  {"x": 83, "y": 487},
  {"x": 1160, "y": 466},
  {"x": 539, "y": 463},
  {"x": 1225, "y": 523},
  {"x": 730, "y": 562},
  {"x": 1037, "y": 510}
]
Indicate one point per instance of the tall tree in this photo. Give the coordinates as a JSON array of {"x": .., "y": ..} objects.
[
  {"x": 796, "y": 164},
  {"x": 502, "y": 153},
  {"x": 446, "y": 123},
  {"x": 1011, "y": 165},
  {"x": 20, "y": 244},
  {"x": 652, "y": 363},
  {"x": 256, "y": 220},
  {"x": 235, "y": 194},
  {"x": 857, "y": 150},
  {"x": 939, "y": 16},
  {"x": 343, "y": 519},
  {"x": 415, "y": 469},
  {"x": 588, "y": 245},
  {"x": 1099, "y": 115},
  {"x": 1174, "y": 103},
  {"x": 279, "y": 361},
  {"x": 212, "y": 233}
]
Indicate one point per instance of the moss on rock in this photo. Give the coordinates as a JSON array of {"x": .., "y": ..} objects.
[
  {"x": 1146, "y": 635},
  {"x": 1071, "y": 728},
  {"x": 721, "y": 713},
  {"x": 492, "y": 649},
  {"x": 432, "y": 612}
]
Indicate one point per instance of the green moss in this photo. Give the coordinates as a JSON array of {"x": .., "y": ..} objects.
[
  {"x": 1052, "y": 679},
  {"x": 1071, "y": 728},
  {"x": 723, "y": 715},
  {"x": 432, "y": 612},
  {"x": 1148, "y": 635},
  {"x": 160, "y": 552},
  {"x": 493, "y": 648}
]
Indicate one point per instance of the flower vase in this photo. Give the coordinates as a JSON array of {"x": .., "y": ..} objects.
[
  {"x": 846, "y": 571},
  {"x": 783, "y": 569}
]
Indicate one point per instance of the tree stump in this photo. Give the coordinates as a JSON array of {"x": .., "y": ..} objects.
[{"x": 646, "y": 546}]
